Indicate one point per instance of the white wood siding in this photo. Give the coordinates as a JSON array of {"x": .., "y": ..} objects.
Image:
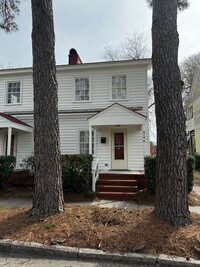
[
  {"x": 100, "y": 85},
  {"x": 70, "y": 127},
  {"x": 24, "y": 147},
  {"x": 26, "y": 91}
]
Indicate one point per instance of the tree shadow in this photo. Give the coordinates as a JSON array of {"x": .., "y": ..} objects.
[{"x": 15, "y": 221}]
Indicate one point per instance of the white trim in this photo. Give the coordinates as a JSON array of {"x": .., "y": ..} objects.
[
  {"x": 84, "y": 66},
  {"x": 6, "y": 92},
  {"x": 141, "y": 119},
  {"x": 17, "y": 126}
]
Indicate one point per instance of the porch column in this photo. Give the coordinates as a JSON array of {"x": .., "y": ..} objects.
[
  {"x": 90, "y": 140},
  {"x": 9, "y": 141}
]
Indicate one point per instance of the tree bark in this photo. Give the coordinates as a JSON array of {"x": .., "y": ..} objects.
[
  {"x": 171, "y": 184},
  {"x": 48, "y": 194}
]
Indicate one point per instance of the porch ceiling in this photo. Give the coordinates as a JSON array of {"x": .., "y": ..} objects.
[
  {"x": 117, "y": 114},
  {"x": 8, "y": 121}
]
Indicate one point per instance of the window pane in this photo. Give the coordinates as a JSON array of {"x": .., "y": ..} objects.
[
  {"x": 82, "y": 89},
  {"x": 84, "y": 142},
  {"x": 13, "y": 92},
  {"x": 119, "y": 87}
]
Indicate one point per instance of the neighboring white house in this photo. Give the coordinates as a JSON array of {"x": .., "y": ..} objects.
[
  {"x": 103, "y": 110},
  {"x": 192, "y": 108}
]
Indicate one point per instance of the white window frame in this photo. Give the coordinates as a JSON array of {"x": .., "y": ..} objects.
[
  {"x": 82, "y": 77},
  {"x": 111, "y": 87},
  {"x": 79, "y": 141},
  {"x": 6, "y": 92}
]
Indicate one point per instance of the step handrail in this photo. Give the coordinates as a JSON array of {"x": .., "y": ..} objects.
[{"x": 95, "y": 173}]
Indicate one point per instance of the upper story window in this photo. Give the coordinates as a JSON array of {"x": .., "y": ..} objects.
[
  {"x": 82, "y": 89},
  {"x": 190, "y": 113},
  {"x": 13, "y": 95},
  {"x": 119, "y": 87}
]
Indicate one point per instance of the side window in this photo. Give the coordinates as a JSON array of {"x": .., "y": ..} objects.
[
  {"x": 119, "y": 87},
  {"x": 13, "y": 92},
  {"x": 84, "y": 142},
  {"x": 82, "y": 89}
]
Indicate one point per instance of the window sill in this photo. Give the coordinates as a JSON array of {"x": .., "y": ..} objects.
[
  {"x": 119, "y": 100},
  {"x": 13, "y": 104},
  {"x": 83, "y": 101}
]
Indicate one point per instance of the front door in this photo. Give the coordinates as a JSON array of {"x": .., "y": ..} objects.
[{"x": 119, "y": 150}]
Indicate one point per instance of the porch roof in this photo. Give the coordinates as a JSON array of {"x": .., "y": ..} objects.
[
  {"x": 117, "y": 114},
  {"x": 8, "y": 121}
]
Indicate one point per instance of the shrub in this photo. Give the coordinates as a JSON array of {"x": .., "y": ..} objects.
[
  {"x": 190, "y": 172},
  {"x": 150, "y": 173},
  {"x": 7, "y": 165},
  {"x": 76, "y": 172},
  {"x": 197, "y": 161},
  {"x": 28, "y": 163}
]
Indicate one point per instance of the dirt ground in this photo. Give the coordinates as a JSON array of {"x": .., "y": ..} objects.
[{"x": 111, "y": 230}]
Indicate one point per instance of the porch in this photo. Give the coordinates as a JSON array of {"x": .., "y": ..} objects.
[
  {"x": 11, "y": 132},
  {"x": 118, "y": 137}
]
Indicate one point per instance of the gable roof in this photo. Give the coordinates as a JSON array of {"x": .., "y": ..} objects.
[
  {"x": 7, "y": 120},
  {"x": 117, "y": 114}
]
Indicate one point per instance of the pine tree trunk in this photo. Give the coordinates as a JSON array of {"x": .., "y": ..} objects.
[
  {"x": 48, "y": 194},
  {"x": 171, "y": 184}
]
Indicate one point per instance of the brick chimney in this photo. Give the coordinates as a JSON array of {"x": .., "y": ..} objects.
[{"x": 74, "y": 57}]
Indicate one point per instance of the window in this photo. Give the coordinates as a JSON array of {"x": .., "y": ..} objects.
[
  {"x": 84, "y": 142},
  {"x": 13, "y": 92},
  {"x": 119, "y": 90},
  {"x": 82, "y": 89}
]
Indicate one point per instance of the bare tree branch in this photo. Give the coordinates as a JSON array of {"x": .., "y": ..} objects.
[
  {"x": 133, "y": 47},
  {"x": 8, "y": 11}
]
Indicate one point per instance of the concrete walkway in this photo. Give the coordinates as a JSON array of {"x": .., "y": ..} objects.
[{"x": 13, "y": 203}]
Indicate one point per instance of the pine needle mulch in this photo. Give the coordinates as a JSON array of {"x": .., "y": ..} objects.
[{"x": 112, "y": 230}]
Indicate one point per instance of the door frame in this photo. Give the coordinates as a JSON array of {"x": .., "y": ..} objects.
[{"x": 125, "y": 131}]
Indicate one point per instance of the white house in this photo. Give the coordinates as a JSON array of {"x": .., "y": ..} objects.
[{"x": 103, "y": 110}]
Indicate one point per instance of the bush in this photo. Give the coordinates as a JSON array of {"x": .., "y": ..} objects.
[
  {"x": 190, "y": 172},
  {"x": 28, "y": 163},
  {"x": 197, "y": 161},
  {"x": 150, "y": 173},
  {"x": 76, "y": 173},
  {"x": 7, "y": 165}
]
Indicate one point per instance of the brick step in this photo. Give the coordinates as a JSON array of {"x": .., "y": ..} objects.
[
  {"x": 119, "y": 176},
  {"x": 111, "y": 188},
  {"x": 117, "y": 182},
  {"x": 116, "y": 195}
]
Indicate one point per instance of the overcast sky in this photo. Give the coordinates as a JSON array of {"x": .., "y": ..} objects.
[{"x": 90, "y": 25}]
